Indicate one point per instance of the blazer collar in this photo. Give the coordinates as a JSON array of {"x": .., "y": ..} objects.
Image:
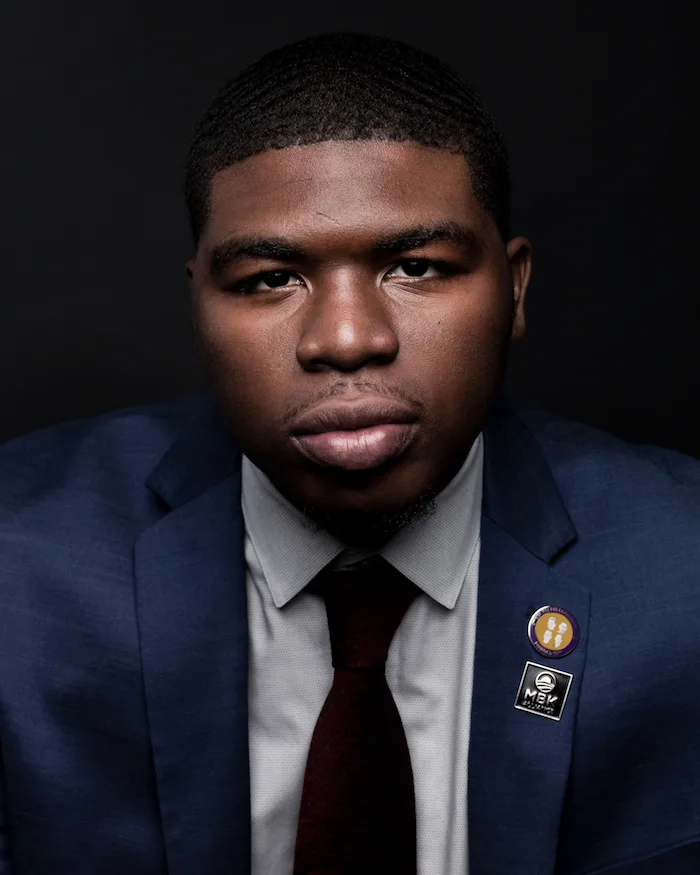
[
  {"x": 202, "y": 455},
  {"x": 520, "y": 493}
]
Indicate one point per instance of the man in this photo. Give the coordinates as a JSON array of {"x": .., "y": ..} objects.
[{"x": 177, "y": 685}]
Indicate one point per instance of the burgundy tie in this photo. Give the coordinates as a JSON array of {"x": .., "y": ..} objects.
[{"x": 358, "y": 813}]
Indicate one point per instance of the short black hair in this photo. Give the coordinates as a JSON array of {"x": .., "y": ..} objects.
[{"x": 347, "y": 86}]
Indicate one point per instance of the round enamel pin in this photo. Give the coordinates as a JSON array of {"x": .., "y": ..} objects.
[{"x": 553, "y": 631}]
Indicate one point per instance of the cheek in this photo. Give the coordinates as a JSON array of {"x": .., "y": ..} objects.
[
  {"x": 240, "y": 360},
  {"x": 225, "y": 338},
  {"x": 469, "y": 339},
  {"x": 244, "y": 384}
]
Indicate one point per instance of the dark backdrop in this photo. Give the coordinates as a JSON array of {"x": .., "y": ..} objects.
[{"x": 98, "y": 104}]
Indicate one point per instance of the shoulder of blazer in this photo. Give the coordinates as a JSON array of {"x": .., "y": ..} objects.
[
  {"x": 642, "y": 493},
  {"x": 98, "y": 456}
]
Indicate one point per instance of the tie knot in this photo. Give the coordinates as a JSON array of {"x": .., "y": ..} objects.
[{"x": 365, "y": 606}]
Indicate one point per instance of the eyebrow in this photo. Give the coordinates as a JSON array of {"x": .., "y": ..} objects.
[
  {"x": 235, "y": 249},
  {"x": 415, "y": 238}
]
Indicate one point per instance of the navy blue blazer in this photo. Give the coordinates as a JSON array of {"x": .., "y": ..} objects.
[{"x": 123, "y": 651}]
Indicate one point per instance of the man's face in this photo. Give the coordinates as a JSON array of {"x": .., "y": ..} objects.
[{"x": 328, "y": 314}]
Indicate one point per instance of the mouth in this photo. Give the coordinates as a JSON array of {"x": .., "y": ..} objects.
[
  {"x": 355, "y": 435},
  {"x": 352, "y": 415},
  {"x": 358, "y": 449}
]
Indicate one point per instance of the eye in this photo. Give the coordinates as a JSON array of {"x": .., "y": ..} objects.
[
  {"x": 271, "y": 279},
  {"x": 417, "y": 268}
]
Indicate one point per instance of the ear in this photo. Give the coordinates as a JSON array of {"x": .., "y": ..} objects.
[
  {"x": 519, "y": 252},
  {"x": 189, "y": 270}
]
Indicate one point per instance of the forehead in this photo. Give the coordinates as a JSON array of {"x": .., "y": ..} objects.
[{"x": 347, "y": 186}]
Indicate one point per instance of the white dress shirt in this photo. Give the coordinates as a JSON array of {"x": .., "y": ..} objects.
[{"x": 429, "y": 668}]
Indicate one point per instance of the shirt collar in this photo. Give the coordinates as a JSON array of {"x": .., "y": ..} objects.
[{"x": 434, "y": 551}]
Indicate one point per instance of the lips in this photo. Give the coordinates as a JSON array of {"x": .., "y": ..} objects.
[
  {"x": 351, "y": 415},
  {"x": 355, "y": 436}
]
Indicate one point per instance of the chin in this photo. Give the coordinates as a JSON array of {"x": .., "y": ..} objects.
[{"x": 369, "y": 527}]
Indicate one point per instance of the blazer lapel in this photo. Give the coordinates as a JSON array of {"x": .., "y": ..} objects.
[
  {"x": 192, "y": 618},
  {"x": 518, "y": 761}
]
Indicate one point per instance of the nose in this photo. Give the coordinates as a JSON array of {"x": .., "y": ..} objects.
[{"x": 348, "y": 325}]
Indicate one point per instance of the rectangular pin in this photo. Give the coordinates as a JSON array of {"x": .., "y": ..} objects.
[{"x": 543, "y": 691}]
